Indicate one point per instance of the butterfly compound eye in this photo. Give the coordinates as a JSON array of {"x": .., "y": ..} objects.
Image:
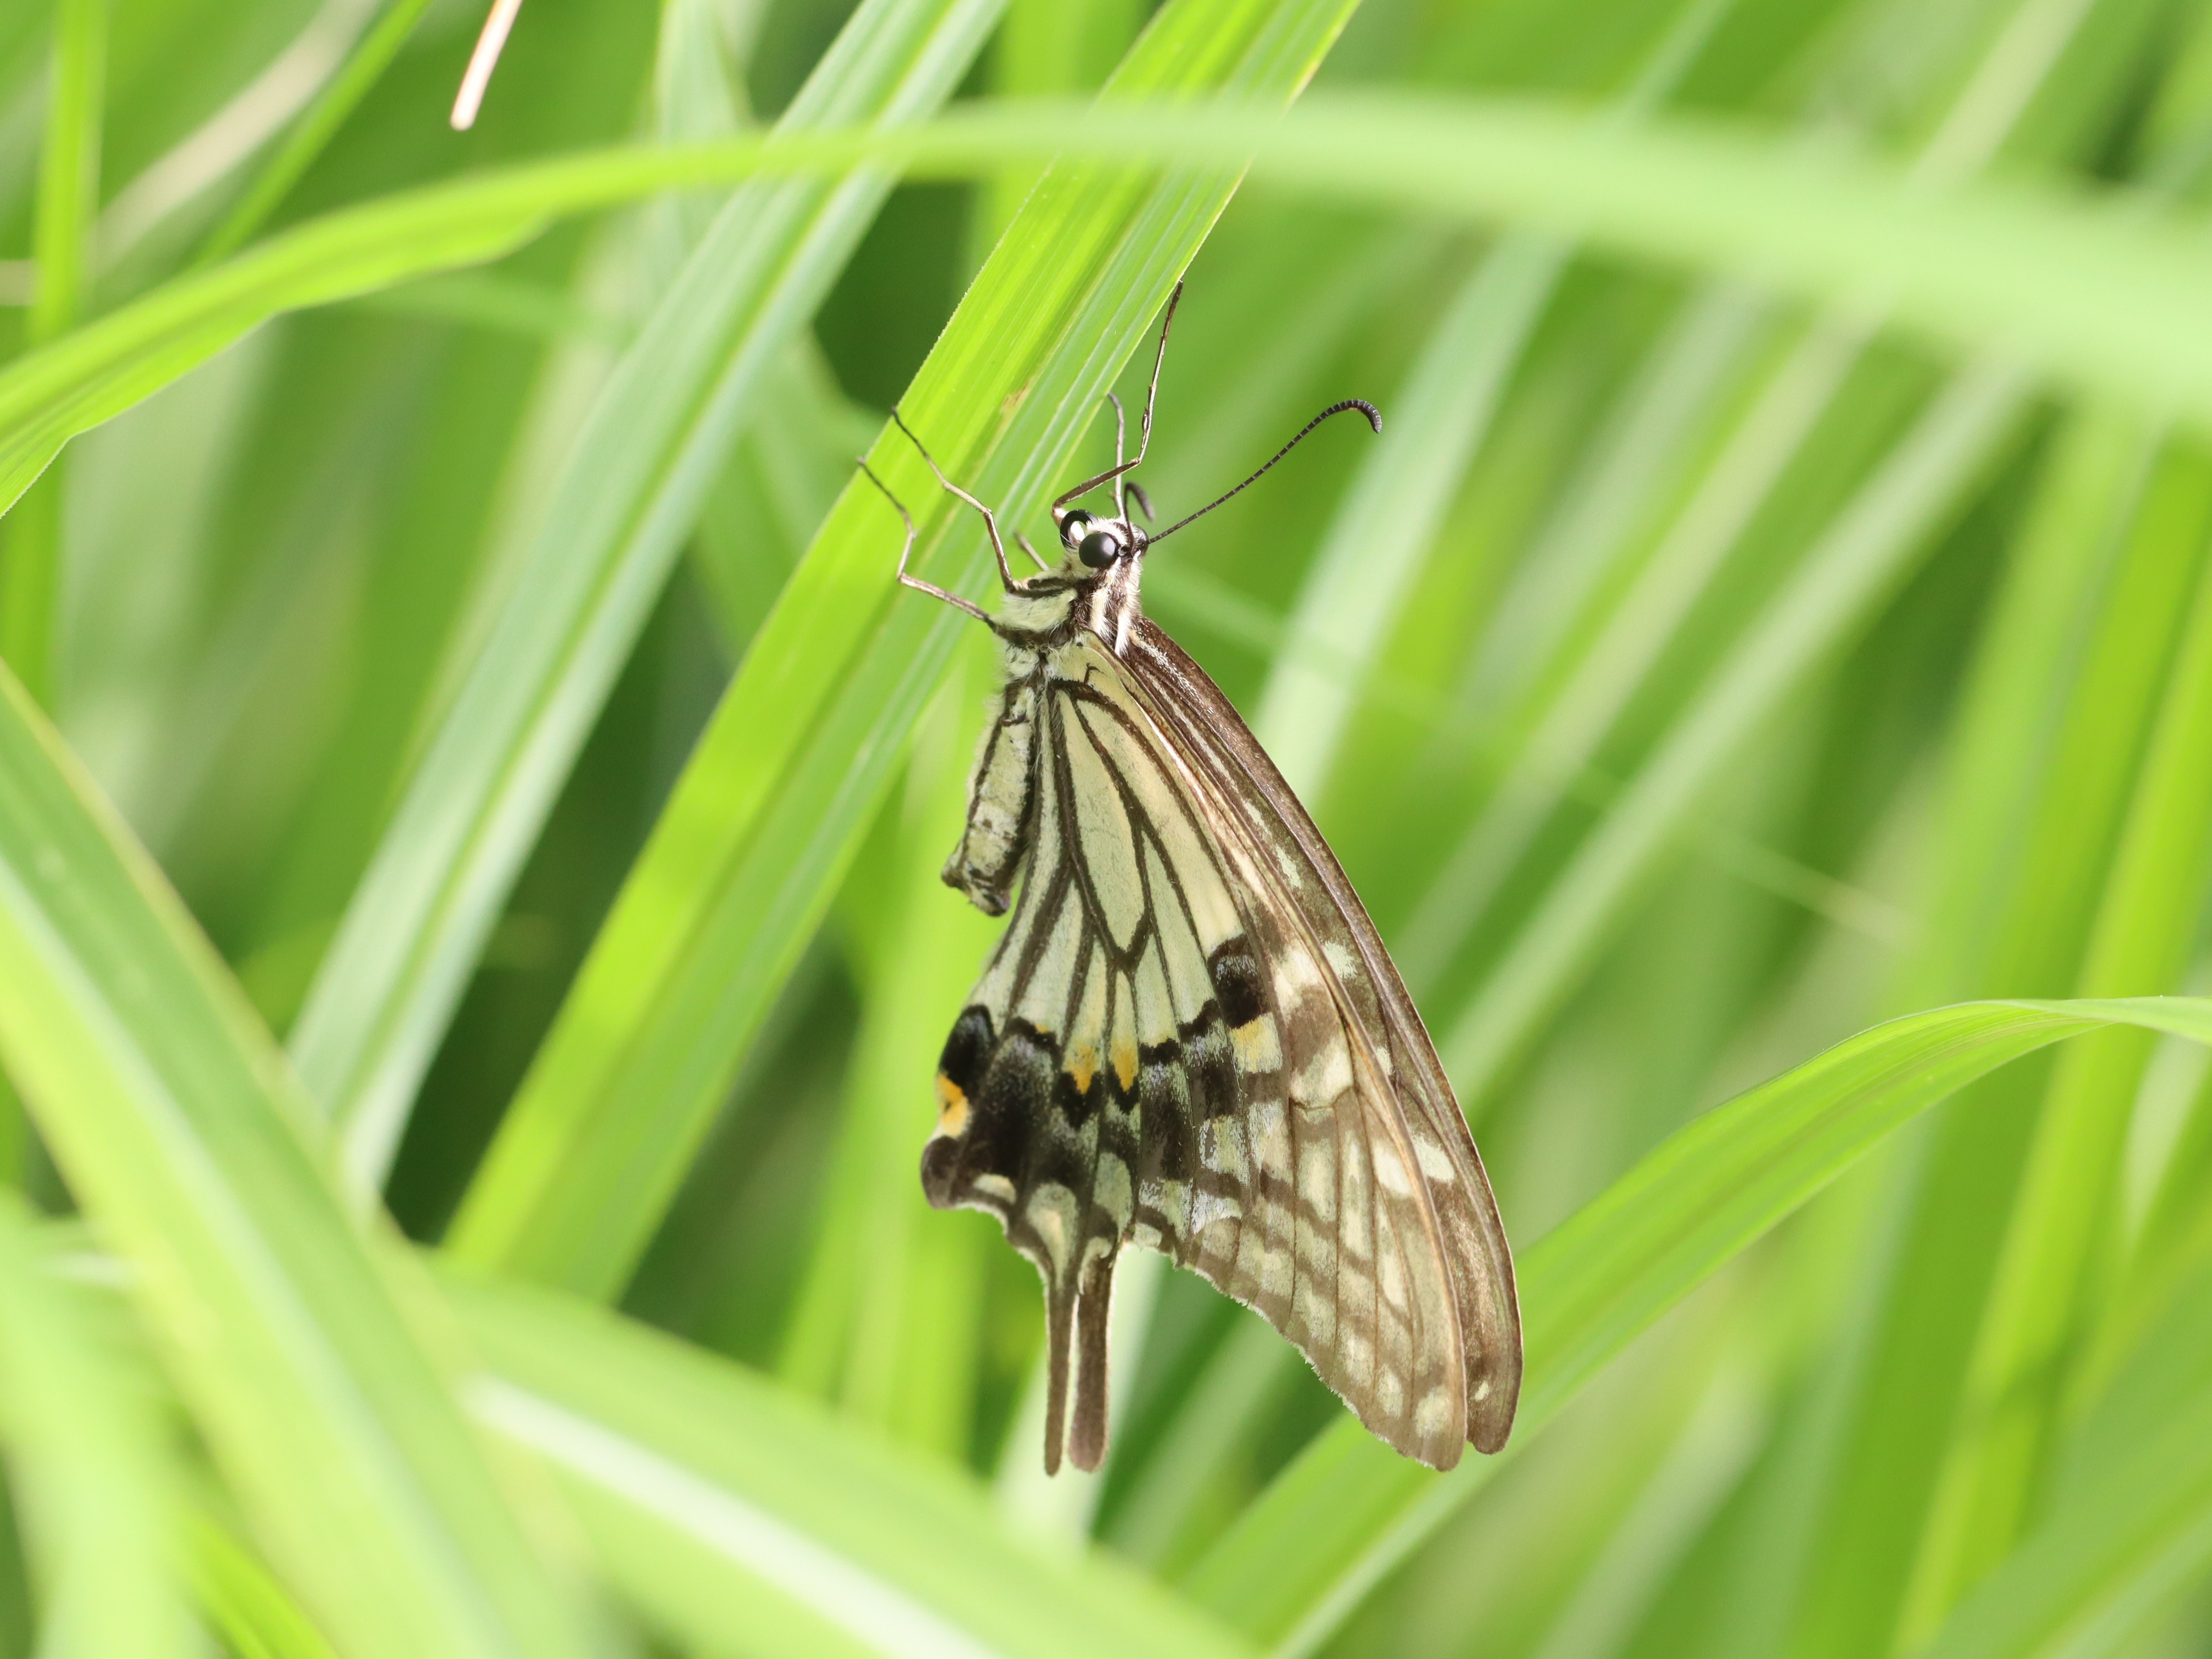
[{"x": 1097, "y": 548}]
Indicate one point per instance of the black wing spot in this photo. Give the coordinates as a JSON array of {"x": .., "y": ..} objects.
[
  {"x": 1075, "y": 1105},
  {"x": 967, "y": 1050},
  {"x": 1006, "y": 1106},
  {"x": 1235, "y": 975}
]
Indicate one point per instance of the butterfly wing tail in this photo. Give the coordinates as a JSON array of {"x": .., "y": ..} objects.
[{"x": 1086, "y": 1437}]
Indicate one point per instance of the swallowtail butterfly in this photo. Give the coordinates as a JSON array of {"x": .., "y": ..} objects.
[{"x": 1190, "y": 1037}]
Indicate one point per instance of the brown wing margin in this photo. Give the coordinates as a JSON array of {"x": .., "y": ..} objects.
[{"x": 1187, "y": 703}]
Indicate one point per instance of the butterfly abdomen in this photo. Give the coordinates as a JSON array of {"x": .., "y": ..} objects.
[{"x": 1001, "y": 798}]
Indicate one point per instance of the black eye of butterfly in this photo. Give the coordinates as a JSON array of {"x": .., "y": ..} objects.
[{"x": 1097, "y": 549}]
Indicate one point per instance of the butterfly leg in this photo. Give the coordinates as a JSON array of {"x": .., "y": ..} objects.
[
  {"x": 1022, "y": 542},
  {"x": 907, "y": 552},
  {"x": 990, "y": 519},
  {"x": 1144, "y": 427}
]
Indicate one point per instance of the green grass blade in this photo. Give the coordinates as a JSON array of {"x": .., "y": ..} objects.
[
  {"x": 720, "y": 1502},
  {"x": 170, "y": 1112},
  {"x": 1372, "y": 555},
  {"x": 95, "y": 1485},
  {"x": 2042, "y": 760},
  {"x": 626, "y": 501},
  {"x": 1301, "y": 1557},
  {"x": 68, "y": 166},
  {"x": 2093, "y": 294},
  {"x": 244, "y": 1603},
  {"x": 67, "y": 202},
  {"x": 2141, "y": 1530},
  {"x": 2038, "y": 1310},
  {"x": 1854, "y": 567},
  {"x": 311, "y": 133},
  {"x": 782, "y": 785},
  {"x": 887, "y": 1318}
]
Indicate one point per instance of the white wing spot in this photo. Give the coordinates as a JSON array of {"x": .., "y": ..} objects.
[
  {"x": 1390, "y": 1395},
  {"x": 1432, "y": 1417},
  {"x": 1390, "y": 1168},
  {"x": 1221, "y": 1148},
  {"x": 1317, "y": 1179},
  {"x": 1052, "y": 1213},
  {"x": 1326, "y": 1075},
  {"x": 1436, "y": 1162},
  {"x": 1271, "y": 1141},
  {"x": 1113, "y": 1192},
  {"x": 1392, "y": 1280}
]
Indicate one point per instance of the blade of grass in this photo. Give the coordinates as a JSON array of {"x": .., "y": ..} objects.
[
  {"x": 886, "y": 1323},
  {"x": 2043, "y": 759},
  {"x": 721, "y": 1503},
  {"x": 1349, "y": 1510},
  {"x": 68, "y": 167},
  {"x": 311, "y": 133},
  {"x": 627, "y": 500},
  {"x": 2094, "y": 294},
  {"x": 169, "y": 1111},
  {"x": 782, "y": 784},
  {"x": 2147, "y": 923},
  {"x": 246, "y": 1605},
  {"x": 1855, "y": 564},
  {"x": 1569, "y": 725},
  {"x": 93, "y": 1483},
  {"x": 2142, "y": 1529},
  {"x": 68, "y": 199},
  {"x": 1372, "y": 555}
]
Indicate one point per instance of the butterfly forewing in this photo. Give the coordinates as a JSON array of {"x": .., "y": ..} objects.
[
  {"x": 1308, "y": 884},
  {"x": 1180, "y": 1041}
]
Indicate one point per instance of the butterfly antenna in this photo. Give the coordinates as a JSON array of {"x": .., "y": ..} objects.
[{"x": 1374, "y": 419}]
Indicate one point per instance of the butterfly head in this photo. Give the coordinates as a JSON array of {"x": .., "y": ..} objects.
[{"x": 1095, "y": 545}]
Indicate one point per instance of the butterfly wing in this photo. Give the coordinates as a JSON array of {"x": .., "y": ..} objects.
[
  {"x": 1307, "y": 890},
  {"x": 1178, "y": 1042}
]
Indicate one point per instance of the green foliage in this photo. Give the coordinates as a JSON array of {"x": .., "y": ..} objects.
[{"x": 470, "y": 793}]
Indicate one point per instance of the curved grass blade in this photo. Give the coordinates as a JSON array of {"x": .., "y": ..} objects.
[
  {"x": 1372, "y": 553},
  {"x": 91, "y": 1479},
  {"x": 719, "y": 1501},
  {"x": 2141, "y": 1531},
  {"x": 626, "y": 501},
  {"x": 1856, "y": 563},
  {"x": 772, "y": 805},
  {"x": 1301, "y": 1557},
  {"x": 2040, "y": 1303},
  {"x": 67, "y": 202},
  {"x": 169, "y": 1110},
  {"x": 311, "y": 134},
  {"x": 2092, "y": 294}
]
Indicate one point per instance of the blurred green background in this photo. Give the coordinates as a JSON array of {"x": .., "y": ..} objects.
[{"x": 1780, "y": 603}]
